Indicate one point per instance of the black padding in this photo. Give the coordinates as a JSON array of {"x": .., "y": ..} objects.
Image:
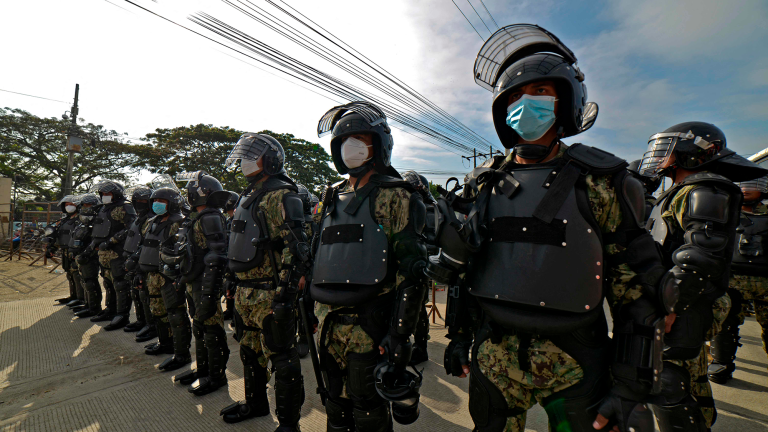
[
  {"x": 238, "y": 226},
  {"x": 418, "y": 213},
  {"x": 633, "y": 195},
  {"x": 152, "y": 243},
  {"x": 527, "y": 230},
  {"x": 685, "y": 416},
  {"x": 709, "y": 204},
  {"x": 293, "y": 207},
  {"x": 360, "y": 379},
  {"x": 557, "y": 194},
  {"x": 596, "y": 158},
  {"x": 374, "y": 419},
  {"x": 347, "y": 233},
  {"x": 339, "y": 415}
]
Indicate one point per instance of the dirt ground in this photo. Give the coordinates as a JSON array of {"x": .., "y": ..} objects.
[{"x": 59, "y": 373}]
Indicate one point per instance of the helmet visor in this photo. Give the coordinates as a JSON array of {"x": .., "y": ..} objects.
[
  {"x": 510, "y": 44},
  {"x": 164, "y": 181},
  {"x": 251, "y": 147},
  {"x": 759, "y": 185},
  {"x": 661, "y": 145},
  {"x": 372, "y": 114}
]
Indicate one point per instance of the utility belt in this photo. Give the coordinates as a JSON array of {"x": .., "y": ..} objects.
[{"x": 373, "y": 317}]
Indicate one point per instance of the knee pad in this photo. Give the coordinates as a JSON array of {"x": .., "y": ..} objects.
[
  {"x": 248, "y": 356},
  {"x": 487, "y": 405},
  {"x": 178, "y": 317},
  {"x": 278, "y": 336},
  {"x": 377, "y": 419},
  {"x": 287, "y": 366},
  {"x": 335, "y": 375},
  {"x": 339, "y": 415},
  {"x": 689, "y": 331},
  {"x": 684, "y": 416},
  {"x": 198, "y": 330},
  {"x": 361, "y": 382},
  {"x": 122, "y": 286},
  {"x": 675, "y": 385}
]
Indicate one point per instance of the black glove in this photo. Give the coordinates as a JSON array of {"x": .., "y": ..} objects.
[
  {"x": 397, "y": 349},
  {"x": 457, "y": 354},
  {"x": 105, "y": 245},
  {"x": 120, "y": 236},
  {"x": 627, "y": 414}
]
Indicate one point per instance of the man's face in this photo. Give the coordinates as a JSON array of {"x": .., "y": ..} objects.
[
  {"x": 106, "y": 194},
  {"x": 367, "y": 139},
  {"x": 143, "y": 201},
  {"x": 538, "y": 88},
  {"x": 751, "y": 195},
  {"x": 162, "y": 201}
]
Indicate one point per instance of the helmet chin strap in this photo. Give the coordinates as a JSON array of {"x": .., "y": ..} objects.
[
  {"x": 537, "y": 151},
  {"x": 256, "y": 178}
]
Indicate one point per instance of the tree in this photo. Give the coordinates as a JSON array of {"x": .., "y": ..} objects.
[
  {"x": 206, "y": 147},
  {"x": 35, "y": 147}
]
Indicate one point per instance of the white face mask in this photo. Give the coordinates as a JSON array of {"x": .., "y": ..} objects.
[
  {"x": 106, "y": 199},
  {"x": 70, "y": 208},
  {"x": 354, "y": 152},
  {"x": 249, "y": 167}
]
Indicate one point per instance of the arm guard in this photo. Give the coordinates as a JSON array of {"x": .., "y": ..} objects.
[
  {"x": 300, "y": 263},
  {"x": 212, "y": 226}
]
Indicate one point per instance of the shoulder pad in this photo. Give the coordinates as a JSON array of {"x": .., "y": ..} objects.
[
  {"x": 708, "y": 177},
  {"x": 176, "y": 217},
  {"x": 294, "y": 207},
  {"x": 211, "y": 222},
  {"x": 279, "y": 182},
  {"x": 218, "y": 199},
  {"x": 595, "y": 158},
  {"x": 386, "y": 181},
  {"x": 128, "y": 207},
  {"x": 709, "y": 204},
  {"x": 632, "y": 195}
]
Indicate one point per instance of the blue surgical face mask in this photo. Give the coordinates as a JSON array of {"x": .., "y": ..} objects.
[
  {"x": 159, "y": 208},
  {"x": 532, "y": 116}
]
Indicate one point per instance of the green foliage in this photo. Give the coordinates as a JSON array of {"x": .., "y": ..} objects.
[
  {"x": 35, "y": 148},
  {"x": 433, "y": 190},
  {"x": 307, "y": 163}
]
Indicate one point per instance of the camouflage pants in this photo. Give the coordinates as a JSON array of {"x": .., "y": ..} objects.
[
  {"x": 155, "y": 282},
  {"x": 194, "y": 298},
  {"x": 105, "y": 259},
  {"x": 755, "y": 288},
  {"x": 342, "y": 340},
  {"x": 253, "y": 305},
  {"x": 551, "y": 370},
  {"x": 89, "y": 277}
]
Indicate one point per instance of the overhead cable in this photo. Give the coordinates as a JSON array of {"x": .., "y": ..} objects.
[
  {"x": 470, "y": 22},
  {"x": 478, "y": 15},
  {"x": 489, "y": 14},
  {"x": 38, "y": 97}
]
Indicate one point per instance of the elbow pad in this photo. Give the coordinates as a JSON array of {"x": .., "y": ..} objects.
[
  {"x": 638, "y": 336},
  {"x": 408, "y": 305},
  {"x": 411, "y": 254}
]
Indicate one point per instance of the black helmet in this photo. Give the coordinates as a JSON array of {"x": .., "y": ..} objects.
[
  {"x": 651, "y": 184},
  {"x": 253, "y": 146},
  {"x": 141, "y": 193},
  {"x": 86, "y": 214},
  {"x": 232, "y": 201},
  {"x": 520, "y": 54},
  {"x": 113, "y": 187},
  {"x": 697, "y": 146},
  {"x": 353, "y": 118},
  {"x": 67, "y": 199},
  {"x": 200, "y": 186},
  {"x": 420, "y": 183},
  {"x": 758, "y": 184},
  {"x": 401, "y": 387},
  {"x": 176, "y": 202},
  {"x": 304, "y": 195}
]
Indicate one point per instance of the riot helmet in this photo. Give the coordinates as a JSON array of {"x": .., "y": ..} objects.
[
  {"x": 72, "y": 200},
  {"x": 420, "y": 183},
  {"x": 200, "y": 187},
  {"x": 88, "y": 207},
  {"x": 357, "y": 118},
  {"x": 759, "y": 185},
  {"x": 138, "y": 194},
  {"x": 176, "y": 202},
  {"x": 521, "y": 54},
  {"x": 651, "y": 184},
  {"x": 253, "y": 147},
  {"x": 697, "y": 146},
  {"x": 401, "y": 387},
  {"x": 232, "y": 201},
  {"x": 304, "y": 195},
  {"x": 113, "y": 187}
]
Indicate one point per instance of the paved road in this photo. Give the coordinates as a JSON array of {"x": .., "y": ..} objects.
[{"x": 63, "y": 374}]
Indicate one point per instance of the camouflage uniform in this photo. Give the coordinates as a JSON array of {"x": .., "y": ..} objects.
[
  {"x": 105, "y": 261},
  {"x": 551, "y": 369},
  {"x": 155, "y": 281}
]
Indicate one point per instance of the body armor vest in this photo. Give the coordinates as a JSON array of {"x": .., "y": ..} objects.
[
  {"x": 133, "y": 236},
  {"x": 149, "y": 259},
  {"x": 352, "y": 259},
  {"x": 245, "y": 228},
  {"x": 80, "y": 238},
  {"x": 102, "y": 223},
  {"x": 533, "y": 276},
  {"x": 64, "y": 233},
  {"x": 749, "y": 254},
  {"x": 194, "y": 265}
]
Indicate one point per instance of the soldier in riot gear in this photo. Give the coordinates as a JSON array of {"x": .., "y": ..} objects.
[
  {"x": 85, "y": 257},
  {"x": 202, "y": 242},
  {"x": 167, "y": 298},
  {"x": 60, "y": 234},
  {"x": 650, "y": 185},
  {"x": 749, "y": 280},
  {"x": 368, "y": 278},
  {"x": 269, "y": 256},
  {"x": 229, "y": 286},
  {"x": 695, "y": 223},
  {"x": 140, "y": 197},
  {"x": 115, "y": 215},
  {"x": 551, "y": 230},
  {"x": 421, "y": 335}
]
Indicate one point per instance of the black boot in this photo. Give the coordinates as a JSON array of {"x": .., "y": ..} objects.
[
  {"x": 720, "y": 373},
  {"x": 165, "y": 340},
  {"x": 134, "y": 326},
  {"x": 201, "y": 357},
  {"x": 105, "y": 315},
  {"x": 88, "y": 313},
  {"x": 64, "y": 300},
  {"x": 148, "y": 332},
  {"x": 217, "y": 353},
  {"x": 118, "y": 322},
  {"x": 419, "y": 354},
  {"x": 187, "y": 377},
  {"x": 206, "y": 385},
  {"x": 175, "y": 362},
  {"x": 75, "y": 303},
  {"x": 256, "y": 403},
  {"x": 79, "y": 309}
]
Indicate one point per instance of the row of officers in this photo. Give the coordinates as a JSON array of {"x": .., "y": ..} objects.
[{"x": 531, "y": 245}]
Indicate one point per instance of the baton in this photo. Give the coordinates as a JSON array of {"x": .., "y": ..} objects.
[{"x": 319, "y": 373}]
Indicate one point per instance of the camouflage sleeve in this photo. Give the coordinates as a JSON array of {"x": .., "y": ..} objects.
[
  {"x": 198, "y": 236},
  {"x": 118, "y": 214},
  {"x": 391, "y": 210},
  {"x": 678, "y": 207},
  {"x": 272, "y": 206},
  {"x": 607, "y": 211}
]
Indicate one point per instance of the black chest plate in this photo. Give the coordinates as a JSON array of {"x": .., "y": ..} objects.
[
  {"x": 149, "y": 259},
  {"x": 133, "y": 236},
  {"x": 352, "y": 258},
  {"x": 103, "y": 223},
  {"x": 64, "y": 233},
  {"x": 80, "y": 238},
  {"x": 751, "y": 241},
  {"x": 243, "y": 255},
  {"x": 546, "y": 269}
]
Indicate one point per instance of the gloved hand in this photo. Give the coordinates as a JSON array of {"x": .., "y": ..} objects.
[
  {"x": 398, "y": 350},
  {"x": 105, "y": 245},
  {"x": 120, "y": 236},
  {"x": 456, "y": 358}
]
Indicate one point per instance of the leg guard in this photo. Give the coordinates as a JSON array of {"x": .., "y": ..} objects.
[
  {"x": 487, "y": 405},
  {"x": 725, "y": 343},
  {"x": 144, "y": 296},
  {"x": 123, "y": 293},
  {"x": 93, "y": 293},
  {"x": 109, "y": 291},
  {"x": 138, "y": 307},
  {"x": 218, "y": 351},
  {"x": 79, "y": 288},
  {"x": 374, "y": 419},
  {"x": 72, "y": 285},
  {"x": 685, "y": 416},
  {"x": 255, "y": 379},
  {"x": 279, "y": 336},
  {"x": 201, "y": 350},
  {"x": 361, "y": 383},
  {"x": 289, "y": 387},
  {"x": 165, "y": 340},
  {"x": 182, "y": 331},
  {"x": 339, "y": 414}
]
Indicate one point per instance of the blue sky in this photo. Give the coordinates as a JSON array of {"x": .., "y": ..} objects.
[{"x": 648, "y": 65}]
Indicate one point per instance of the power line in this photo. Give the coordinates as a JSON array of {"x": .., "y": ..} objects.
[
  {"x": 478, "y": 15},
  {"x": 470, "y": 23},
  {"x": 38, "y": 97},
  {"x": 489, "y": 14}
]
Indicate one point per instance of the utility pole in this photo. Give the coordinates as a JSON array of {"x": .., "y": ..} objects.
[
  {"x": 476, "y": 155},
  {"x": 71, "y": 154}
]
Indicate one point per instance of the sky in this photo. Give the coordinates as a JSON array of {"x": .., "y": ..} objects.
[{"x": 648, "y": 65}]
